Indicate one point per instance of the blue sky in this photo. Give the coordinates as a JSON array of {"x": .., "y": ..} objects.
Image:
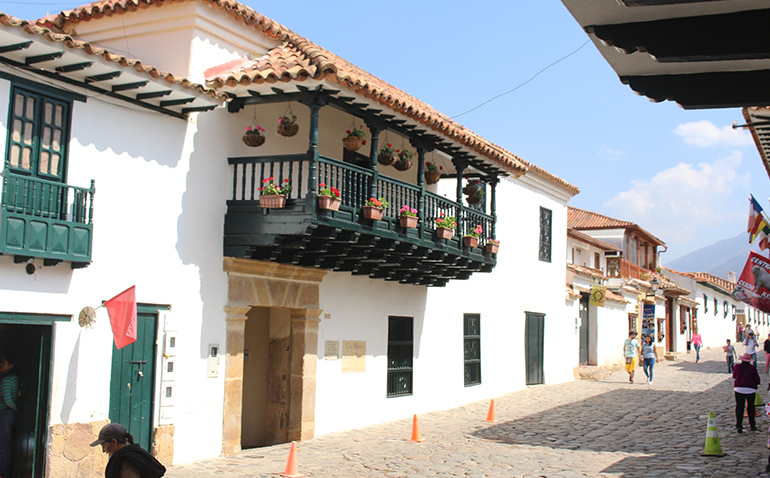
[{"x": 683, "y": 175}]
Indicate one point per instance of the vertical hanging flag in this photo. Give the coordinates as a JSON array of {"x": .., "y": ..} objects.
[
  {"x": 758, "y": 226},
  {"x": 597, "y": 295},
  {"x": 122, "y": 310}
]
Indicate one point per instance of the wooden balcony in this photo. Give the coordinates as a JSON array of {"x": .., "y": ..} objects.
[
  {"x": 344, "y": 240},
  {"x": 46, "y": 219},
  {"x": 619, "y": 267}
]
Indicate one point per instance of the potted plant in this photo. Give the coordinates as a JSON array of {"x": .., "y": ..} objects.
[
  {"x": 354, "y": 139},
  {"x": 475, "y": 197},
  {"x": 492, "y": 246},
  {"x": 329, "y": 198},
  {"x": 471, "y": 186},
  {"x": 387, "y": 155},
  {"x": 373, "y": 208},
  {"x": 408, "y": 216},
  {"x": 432, "y": 172},
  {"x": 472, "y": 238},
  {"x": 404, "y": 160},
  {"x": 255, "y": 136},
  {"x": 287, "y": 124},
  {"x": 445, "y": 227},
  {"x": 273, "y": 196}
]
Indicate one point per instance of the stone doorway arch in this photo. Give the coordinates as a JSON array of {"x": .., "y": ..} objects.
[{"x": 254, "y": 283}]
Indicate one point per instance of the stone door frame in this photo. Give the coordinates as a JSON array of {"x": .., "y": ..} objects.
[{"x": 254, "y": 283}]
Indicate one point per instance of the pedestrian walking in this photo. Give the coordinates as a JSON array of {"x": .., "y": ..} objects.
[
  {"x": 745, "y": 388},
  {"x": 740, "y": 333},
  {"x": 127, "y": 459},
  {"x": 697, "y": 341},
  {"x": 649, "y": 356},
  {"x": 751, "y": 347},
  {"x": 9, "y": 393},
  {"x": 630, "y": 348},
  {"x": 767, "y": 354},
  {"x": 730, "y": 356}
]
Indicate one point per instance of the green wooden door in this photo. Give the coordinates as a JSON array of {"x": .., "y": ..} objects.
[
  {"x": 133, "y": 377},
  {"x": 534, "y": 337}
]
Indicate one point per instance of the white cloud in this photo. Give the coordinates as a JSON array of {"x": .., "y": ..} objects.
[
  {"x": 705, "y": 134},
  {"x": 681, "y": 204},
  {"x": 611, "y": 154}
]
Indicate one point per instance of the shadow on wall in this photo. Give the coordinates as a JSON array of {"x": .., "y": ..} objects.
[{"x": 70, "y": 392}]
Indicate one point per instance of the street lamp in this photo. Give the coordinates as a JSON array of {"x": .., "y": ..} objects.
[{"x": 654, "y": 285}]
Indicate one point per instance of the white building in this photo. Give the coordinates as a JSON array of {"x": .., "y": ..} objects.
[{"x": 255, "y": 326}]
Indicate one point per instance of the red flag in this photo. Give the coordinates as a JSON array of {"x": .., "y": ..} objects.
[{"x": 122, "y": 310}]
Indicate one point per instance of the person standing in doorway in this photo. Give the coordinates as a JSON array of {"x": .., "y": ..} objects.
[
  {"x": 697, "y": 341},
  {"x": 745, "y": 387},
  {"x": 767, "y": 354},
  {"x": 630, "y": 349},
  {"x": 127, "y": 459},
  {"x": 751, "y": 347},
  {"x": 9, "y": 393},
  {"x": 730, "y": 356},
  {"x": 650, "y": 356}
]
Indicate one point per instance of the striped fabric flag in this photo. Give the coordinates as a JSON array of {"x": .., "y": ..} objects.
[
  {"x": 756, "y": 219},
  {"x": 764, "y": 237}
]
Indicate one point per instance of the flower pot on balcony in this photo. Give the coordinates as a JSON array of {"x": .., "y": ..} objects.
[
  {"x": 385, "y": 159},
  {"x": 373, "y": 212},
  {"x": 470, "y": 241},
  {"x": 432, "y": 177},
  {"x": 492, "y": 248},
  {"x": 444, "y": 233},
  {"x": 472, "y": 200},
  {"x": 288, "y": 129},
  {"x": 254, "y": 139},
  {"x": 352, "y": 143},
  {"x": 408, "y": 221},
  {"x": 402, "y": 164},
  {"x": 272, "y": 201},
  {"x": 329, "y": 203}
]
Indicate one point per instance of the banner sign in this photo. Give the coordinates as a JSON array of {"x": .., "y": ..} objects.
[
  {"x": 648, "y": 320},
  {"x": 597, "y": 295},
  {"x": 753, "y": 286}
]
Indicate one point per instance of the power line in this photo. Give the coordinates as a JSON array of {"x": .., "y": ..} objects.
[{"x": 522, "y": 84}]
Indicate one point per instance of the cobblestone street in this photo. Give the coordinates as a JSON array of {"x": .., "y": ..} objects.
[{"x": 604, "y": 428}]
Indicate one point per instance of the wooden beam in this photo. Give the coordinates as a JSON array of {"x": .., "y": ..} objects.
[
  {"x": 31, "y": 60},
  {"x": 74, "y": 67},
  {"x": 15, "y": 47}
]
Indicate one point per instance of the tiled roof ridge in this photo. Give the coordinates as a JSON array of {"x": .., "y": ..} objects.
[
  {"x": 106, "y": 55},
  {"x": 587, "y": 271},
  {"x": 723, "y": 284},
  {"x": 325, "y": 65},
  {"x": 617, "y": 222}
]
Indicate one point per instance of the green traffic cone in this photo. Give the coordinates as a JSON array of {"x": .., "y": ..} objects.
[{"x": 713, "y": 445}]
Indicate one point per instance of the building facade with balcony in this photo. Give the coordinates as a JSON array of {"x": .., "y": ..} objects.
[{"x": 256, "y": 325}]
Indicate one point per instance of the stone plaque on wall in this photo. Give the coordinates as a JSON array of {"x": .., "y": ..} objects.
[
  {"x": 332, "y": 350},
  {"x": 353, "y": 356}
]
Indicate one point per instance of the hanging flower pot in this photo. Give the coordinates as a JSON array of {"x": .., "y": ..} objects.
[
  {"x": 355, "y": 138},
  {"x": 473, "y": 199},
  {"x": 287, "y": 124},
  {"x": 432, "y": 172},
  {"x": 470, "y": 241},
  {"x": 387, "y": 155},
  {"x": 254, "y": 136},
  {"x": 404, "y": 160}
]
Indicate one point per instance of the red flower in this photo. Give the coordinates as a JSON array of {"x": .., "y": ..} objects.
[
  {"x": 323, "y": 185},
  {"x": 364, "y": 142},
  {"x": 390, "y": 145},
  {"x": 286, "y": 180},
  {"x": 348, "y": 131},
  {"x": 441, "y": 168},
  {"x": 442, "y": 214},
  {"x": 270, "y": 178},
  {"x": 476, "y": 181},
  {"x": 265, "y": 180},
  {"x": 259, "y": 189},
  {"x": 397, "y": 151}
]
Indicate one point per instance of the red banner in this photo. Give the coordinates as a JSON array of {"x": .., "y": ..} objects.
[
  {"x": 122, "y": 310},
  {"x": 753, "y": 285}
]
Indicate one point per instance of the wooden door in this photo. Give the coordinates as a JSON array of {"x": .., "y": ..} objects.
[
  {"x": 534, "y": 338},
  {"x": 584, "y": 303},
  {"x": 133, "y": 379}
]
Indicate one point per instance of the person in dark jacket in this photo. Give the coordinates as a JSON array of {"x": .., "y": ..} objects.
[
  {"x": 745, "y": 387},
  {"x": 127, "y": 459}
]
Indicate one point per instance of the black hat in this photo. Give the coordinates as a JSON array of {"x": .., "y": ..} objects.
[{"x": 111, "y": 431}]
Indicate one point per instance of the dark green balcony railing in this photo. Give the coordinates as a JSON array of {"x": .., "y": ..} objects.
[
  {"x": 46, "y": 219},
  {"x": 344, "y": 240}
]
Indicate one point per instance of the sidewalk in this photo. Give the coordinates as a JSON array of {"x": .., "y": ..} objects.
[{"x": 605, "y": 428}]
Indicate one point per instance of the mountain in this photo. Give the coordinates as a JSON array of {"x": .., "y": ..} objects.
[{"x": 728, "y": 255}]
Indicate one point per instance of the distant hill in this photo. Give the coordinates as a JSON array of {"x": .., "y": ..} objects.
[{"x": 717, "y": 259}]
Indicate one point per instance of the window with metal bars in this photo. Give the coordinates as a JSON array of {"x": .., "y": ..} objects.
[
  {"x": 472, "y": 335},
  {"x": 400, "y": 355},
  {"x": 545, "y": 234}
]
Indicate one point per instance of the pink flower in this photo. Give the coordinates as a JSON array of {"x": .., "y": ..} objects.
[
  {"x": 280, "y": 120},
  {"x": 248, "y": 128},
  {"x": 414, "y": 211}
]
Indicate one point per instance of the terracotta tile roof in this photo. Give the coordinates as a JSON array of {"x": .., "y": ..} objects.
[
  {"x": 298, "y": 59},
  {"x": 571, "y": 293},
  {"x": 136, "y": 65},
  {"x": 574, "y": 233},
  {"x": 588, "y": 220},
  {"x": 615, "y": 297},
  {"x": 589, "y": 272},
  {"x": 718, "y": 282}
]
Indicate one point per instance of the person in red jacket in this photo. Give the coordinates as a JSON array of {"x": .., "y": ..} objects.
[{"x": 745, "y": 387}]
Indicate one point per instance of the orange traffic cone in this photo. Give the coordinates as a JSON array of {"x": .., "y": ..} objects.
[
  {"x": 291, "y": 463},
  {"x": 491, "y": 414},
  {"x": 416, "y": 436}
]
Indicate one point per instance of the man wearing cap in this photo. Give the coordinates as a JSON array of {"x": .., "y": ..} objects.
[
  {"x": 630, "y": 352},
  {"x": 127, "y": 459},
  {"x": 745, "y": 387}
]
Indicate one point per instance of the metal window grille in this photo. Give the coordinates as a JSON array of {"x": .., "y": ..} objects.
[
  {"x": 545, "y": 234},
  {"x": 472, "y": 333},
  {"x": 400, "y": 355}
]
